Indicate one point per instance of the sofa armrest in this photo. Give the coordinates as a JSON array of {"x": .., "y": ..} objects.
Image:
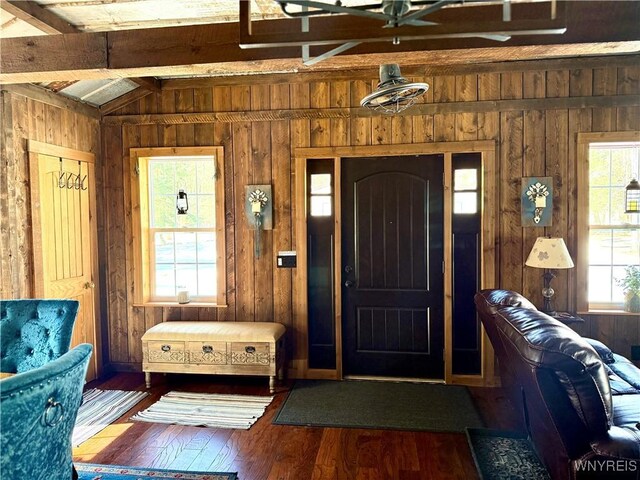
[{"x": 619, "y": 442}]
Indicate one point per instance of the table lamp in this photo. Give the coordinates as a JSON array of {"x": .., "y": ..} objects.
[{"x": 549, "y": 253}]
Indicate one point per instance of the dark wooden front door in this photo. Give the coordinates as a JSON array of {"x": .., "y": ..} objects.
[{"x": 392, "y": 254}]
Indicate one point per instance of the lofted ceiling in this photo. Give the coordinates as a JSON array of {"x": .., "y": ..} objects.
[{"x": 127, "y": 47}]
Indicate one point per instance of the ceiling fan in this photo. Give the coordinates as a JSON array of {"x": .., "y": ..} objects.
[{"x": 399, "y": 15}]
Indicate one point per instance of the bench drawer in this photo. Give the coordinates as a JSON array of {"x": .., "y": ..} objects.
[
  {"x": 207, "y": 353},
  {"x": 166, "y": 352},
  {"x": 246, "y": 353}
]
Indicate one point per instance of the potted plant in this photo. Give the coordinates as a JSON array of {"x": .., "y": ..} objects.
[{"x": 630, "y": 284}]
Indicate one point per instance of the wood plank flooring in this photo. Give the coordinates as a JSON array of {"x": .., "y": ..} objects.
[{"x": 276, "y": 452}]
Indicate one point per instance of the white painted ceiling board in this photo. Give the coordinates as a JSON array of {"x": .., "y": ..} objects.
[
  {"x": 106, "y": 15},
  {"x": 11, "y": 26}
]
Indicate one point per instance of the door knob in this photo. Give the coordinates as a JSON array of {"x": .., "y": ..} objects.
[
  {"x": 349, "y": 283},
  {"x": 348, "y": 269},
  {"x": 88, "y": 285}
]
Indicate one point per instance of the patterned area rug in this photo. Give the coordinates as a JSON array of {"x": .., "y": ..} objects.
[
  {"x": 502, "y": 455},
  {"x": 99, "y": 409},
  {"x": 206, "y": 409},
  {"x": 88, "y": 471}
]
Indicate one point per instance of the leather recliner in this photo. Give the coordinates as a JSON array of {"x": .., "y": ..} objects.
[{"x": 579, "y": 402}]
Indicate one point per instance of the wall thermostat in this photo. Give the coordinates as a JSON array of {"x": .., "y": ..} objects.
[{"x": 286, "y": 259}]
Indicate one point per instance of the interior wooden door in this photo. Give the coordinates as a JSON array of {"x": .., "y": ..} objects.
[
  {"x": 64, "y": 243},
  {"x": 392, "y": 252}
]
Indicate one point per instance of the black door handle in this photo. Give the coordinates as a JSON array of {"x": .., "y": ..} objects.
[{"x": 349, "y": 283}]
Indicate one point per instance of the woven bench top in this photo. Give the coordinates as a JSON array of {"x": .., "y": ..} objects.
[{"x": 220, "y": 331}]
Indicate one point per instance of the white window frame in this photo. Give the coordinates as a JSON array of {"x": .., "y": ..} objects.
[
  {"x": 584, "y": 141},
  {"x": 143, "y": 232}
]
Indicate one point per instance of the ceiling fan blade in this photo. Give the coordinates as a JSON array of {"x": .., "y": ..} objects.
[
  {"x": 496, "y": 37},
  {"x": 415, "y": 23},
  {"x": 424, "y": 11},
  {"x": 331, "y": 8}
]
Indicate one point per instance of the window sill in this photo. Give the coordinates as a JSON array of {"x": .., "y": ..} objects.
[
  {"x": 181, "y": 305},
  {"x": 608, "y": 313}
]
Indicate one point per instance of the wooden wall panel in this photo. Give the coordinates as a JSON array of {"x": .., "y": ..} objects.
[
  {"x": 529, "y": 142},
  {"x": 25, "y": 119}
]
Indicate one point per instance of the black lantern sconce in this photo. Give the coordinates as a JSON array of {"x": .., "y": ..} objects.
[
  {"x": 632, "y": 197},
  {"x": 182, "y": 202}
]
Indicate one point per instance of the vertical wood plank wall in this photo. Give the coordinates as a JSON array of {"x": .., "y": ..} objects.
[
  {"x": 27, "y": 119},
  {"x": 529, "y": 143}
]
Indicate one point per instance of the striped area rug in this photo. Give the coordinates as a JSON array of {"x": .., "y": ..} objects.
[
  {"x": 206, "y": 409},
  {"x": 99, "y": 409}
]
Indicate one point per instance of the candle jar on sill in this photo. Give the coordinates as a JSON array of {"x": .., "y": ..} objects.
[{"x": 183, "y": 294}]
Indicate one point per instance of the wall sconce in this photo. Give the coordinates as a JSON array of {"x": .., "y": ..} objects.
[
  {"x": 537, "y": 195},
  {"x": 258, "y": 209},
  {"x": 632, "y": 197},
  {"x": 182, "y": 202}
]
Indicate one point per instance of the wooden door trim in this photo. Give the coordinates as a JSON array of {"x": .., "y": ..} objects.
[
  {"x": 487, "y": 148},
  {"x": 35, "y": 149},
  {"x": 34, "y": 146},
  {"x": 448, "y": 265}
]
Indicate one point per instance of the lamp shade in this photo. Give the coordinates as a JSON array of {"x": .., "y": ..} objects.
[{"x": 549, "y": 252}]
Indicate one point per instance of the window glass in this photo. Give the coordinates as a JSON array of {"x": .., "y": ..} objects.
[
  {"x": 320, "y": 183},
  {"x": 184, "y": 246},
  {"x": 465, "y": 202},
  {"x": 614, "y": 236},
  {"x": 465, "y": 179},
  {"x": 320, "y": 206}
]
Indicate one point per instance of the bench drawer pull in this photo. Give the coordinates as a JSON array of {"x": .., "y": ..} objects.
[
  {"x": 166, "y": 348},
  {"x": 207, "y": 348},
  {"x": 250, "y": 349}
]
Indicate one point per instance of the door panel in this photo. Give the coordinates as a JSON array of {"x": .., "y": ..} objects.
[
  {"x": 392, "y": 259},
  {"x": 66, "y": 241}
]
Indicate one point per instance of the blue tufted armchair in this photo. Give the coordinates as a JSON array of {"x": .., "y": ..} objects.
[
  {"x": 34, "y": 332},
  {"x": 38, "y": 410}
]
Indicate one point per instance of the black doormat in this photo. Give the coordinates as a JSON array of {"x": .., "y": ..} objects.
[
  {"x": 503, "y": 455},
  {"x": 381, "y": 405}
]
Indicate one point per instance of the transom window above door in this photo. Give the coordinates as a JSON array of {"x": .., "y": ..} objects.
[{"x": 181, "y": 225}]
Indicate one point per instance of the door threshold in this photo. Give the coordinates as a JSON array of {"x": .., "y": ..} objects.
[{"x": 393, "y": 379}]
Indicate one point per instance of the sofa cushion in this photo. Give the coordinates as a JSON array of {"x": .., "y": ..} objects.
[
  {"x": 626, "y": 370},
  {"x": 601, "y": 349},
  {"x": 626, "y": 411},
  {"x": 546, "y": 343}
]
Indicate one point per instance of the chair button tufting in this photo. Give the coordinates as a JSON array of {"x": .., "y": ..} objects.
[
  {"x": 47, "y": 332},
  {"x": 17, "y": 333},
  {"x": 60, "y": 312},
  {"x": 31, "y": 351}
]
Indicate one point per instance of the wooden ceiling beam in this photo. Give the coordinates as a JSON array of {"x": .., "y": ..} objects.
[
  {"x": 214, "y": 49},
  {"x": 50, "y": 23},
  {"x": 35, "y": 15},
  {"x": 151, "y": 84},
  {"x": 527, "y": 104},
  {"x": 369, "y": 73}
]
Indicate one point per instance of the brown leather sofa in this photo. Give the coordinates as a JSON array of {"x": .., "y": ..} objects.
[{"x": 578, "y": 401}]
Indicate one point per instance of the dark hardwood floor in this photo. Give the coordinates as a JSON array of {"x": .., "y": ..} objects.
[{"x": 275, "y": 452}]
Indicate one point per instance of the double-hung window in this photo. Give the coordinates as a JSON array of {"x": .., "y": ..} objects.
[
  {"x": 177, "y": 250},
  {"x": 608, "y": 238}
]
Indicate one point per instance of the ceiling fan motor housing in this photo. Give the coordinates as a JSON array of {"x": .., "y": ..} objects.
[
  {"x": 396, "y": 8},
  {"x": 390, "y": 73}
]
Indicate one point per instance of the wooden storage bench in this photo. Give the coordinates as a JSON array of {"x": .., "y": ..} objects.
[{"x": 232, "y": 348}]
